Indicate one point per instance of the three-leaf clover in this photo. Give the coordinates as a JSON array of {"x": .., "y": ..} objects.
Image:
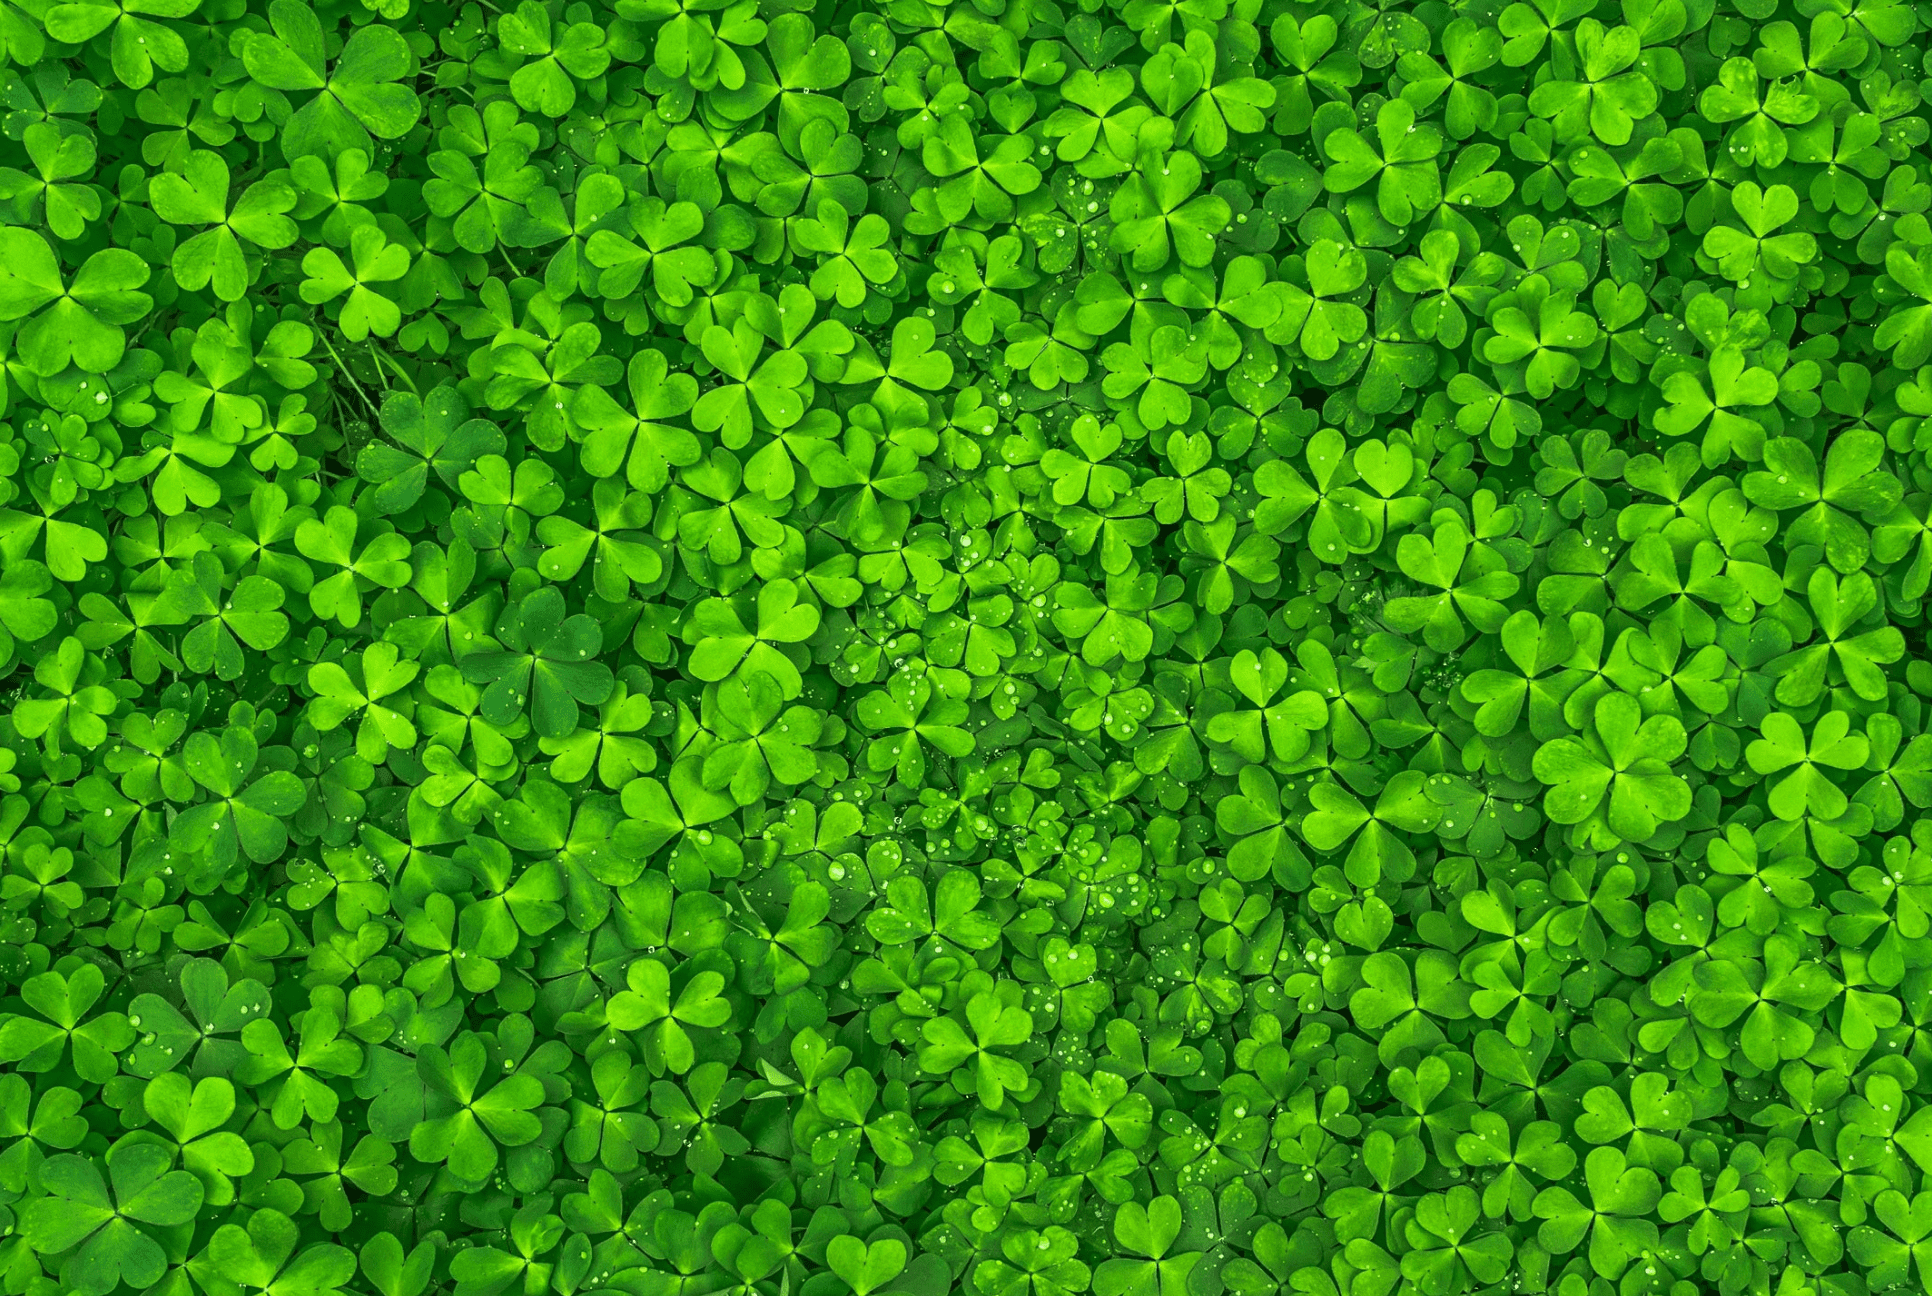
[
  {"x": 1619, "y": 770},
  {"x": 75, "y": 320},
  {"x": 548, "y": 665},
  {"x": 198, "y": 195},
  {"x": 100, "y": 1229},
  {"x": 468, "y": 1119},
  {"x": 362, "y": 95}
]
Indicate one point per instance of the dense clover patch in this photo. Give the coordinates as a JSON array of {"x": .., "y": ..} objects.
[{"x": 1003, "y": 647}]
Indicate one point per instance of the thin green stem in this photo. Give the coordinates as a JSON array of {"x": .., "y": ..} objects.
[
  {"x": 346, "y": 374},
  {"x": 394, "y": 368}
]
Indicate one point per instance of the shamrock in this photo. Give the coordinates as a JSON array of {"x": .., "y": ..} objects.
[
  {"x": 1160, "y": 372},
  {"x": 546, "y": 666},
  {"x": 445, "y": 632},
  {"x": 52, "y": 1122},
  {"x": 1609, "y": 95},
  {"x": 789, "y": 954},
  {"x": 507, "y": 201},
  {"x": 1401, "y": 162},
  {"x": 1286, "y": 719},
  {"x": 1127, "y": 621},
  {"x": 1728, "y": 388},
  {"x": 647, "y": 1006},
  {"x": 331, "y": 540},
  {"x": 1839, "y": 605},
  {"x": 372, "y": 260},
  {"x": 771, "y": 388},
  {"x": 675, "y": 266},
  {"x": 98, "y": 1229},
  {"x": 690, "y": 1119},
  {"x": 546, "y": 84},
  {"x": 339, "y": 696},
  {"x": 852, "y": 257},
  {"x": 368, "y": 1167},
  {"x": 1149, "y": 1232},
  {"x": 360, "y": 97},
  {"x": 1619, "y": 770},
  {"x": 139, "y": 43},
  {"x": 263, "y": 1255},
  {"x": 1538, "y": 1150},
  {"x": 1315, "y": 317},
  {"x": 1158, "y": 209},
  {"x": 907, "y": 717},
  {"x": 612, "y": 746},
  {"x": 64, "y": 1001},
  {"x": 1772, "y": 997},
  {"x": 250, "y": 614},
  {"x": 617, "y": 437},
  {"x": 468, "y": 1121},
  {"x": 615, "y": 1129},
  {"x": 1615, "y": 1221},
  {"x": 725, "y": 645},
  {"x": 56, "y": 157},
  {"x": 79, "y": 319},
  {"x": 1445, "y": 1254},
  {"x": 193, "y": 1113},
  {"x": 982, "y": 184},
  {"x": 951, "y": 914},
  {"x": 1852, "y": 482},
  {"x": 1474, "y": 584},
  {"x": 761, "y": 741},
  {"x": 242, "y": 815},
  {"x": 1308, "y": 48},
  {"x": 992, "y": 1076},
  {"x": 1394, "y": 995},
  {"x": 1807, "y": 789},
  {"x": 1907, "y": 332},
  {"x": 301, "y": 1089},
  {"x": 198, "y": 195},
  {"x": 1714, "y": 1208},
  {"x": 74, "y": 709},
  {"x": 1757, "y": 247},
  {"x": 203, "y": 1037},
  {"x": 659, "y": 814},
  {"x": 437, "y": 433},
  {"x": 1761, "y": 112},
  {"x": 1538, "y": 332}
]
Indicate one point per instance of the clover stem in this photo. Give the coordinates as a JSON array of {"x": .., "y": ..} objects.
[
  {"x": 136, "y": 339},
  {"x": 346, "y": 374},
  {"x": 384, "y": 358}
]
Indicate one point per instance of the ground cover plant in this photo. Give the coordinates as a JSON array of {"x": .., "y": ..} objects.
[{"x": 1149, "y": 648}]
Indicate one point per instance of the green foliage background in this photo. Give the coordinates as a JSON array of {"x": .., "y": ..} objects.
[{"x": 1169, "y": 648}]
